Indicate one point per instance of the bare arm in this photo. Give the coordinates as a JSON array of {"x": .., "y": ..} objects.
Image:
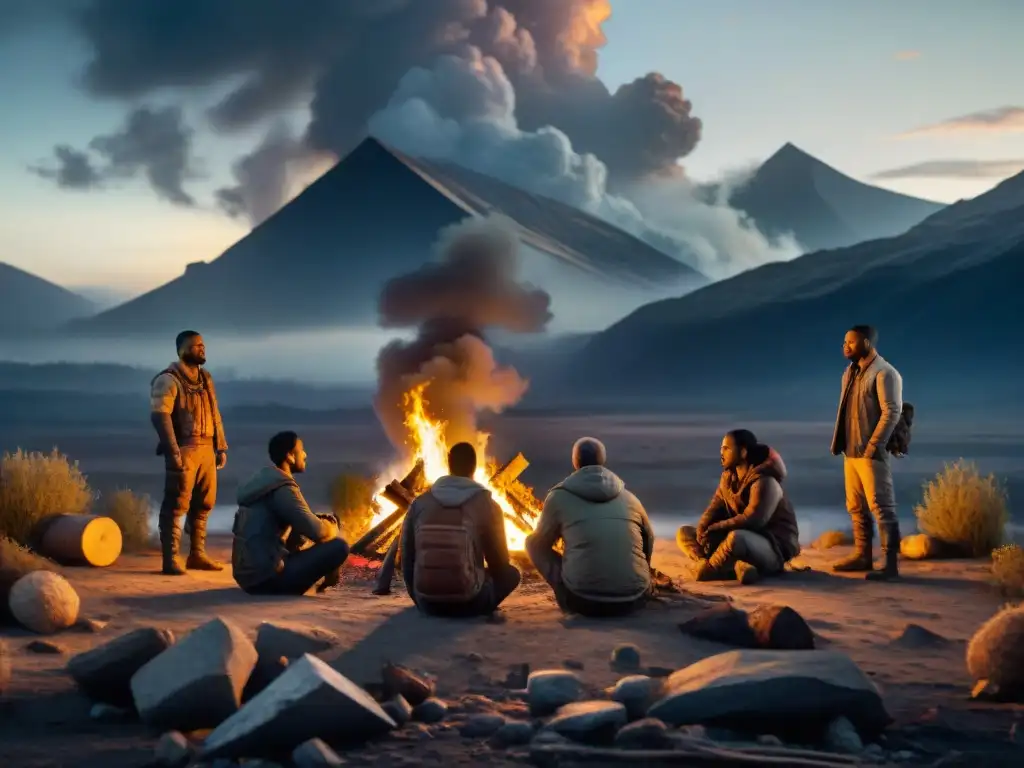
[
  {"x": 765, "y": 495},
  {"x": 292, "y": 508},
  {"x": 890, "y": 398},
  {"x": 162, "y": 397},
  {"x": 495, "y": 545}
]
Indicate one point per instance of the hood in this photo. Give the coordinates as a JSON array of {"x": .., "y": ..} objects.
[
  {"x": 773, "y": 466},
  {"x": 264, "y": 482},
  {"x": 597, "y": 484},
  {"x": 454, "y": 491}
]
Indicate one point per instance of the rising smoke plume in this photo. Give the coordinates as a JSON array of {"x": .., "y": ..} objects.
[
  {"x": 451, "y": 302},
  {"x": 505, "y": 86}
]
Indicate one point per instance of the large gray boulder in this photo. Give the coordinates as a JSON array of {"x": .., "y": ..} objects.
[
  {"x": 276, "y": 639},
  {"x": 309, "y": 700},
  {"x": 105, "y": 673},
  {"x": 196, "y": 683},
  {"x": 590, "y": 722},
  {"x": 760, "y": 690}
]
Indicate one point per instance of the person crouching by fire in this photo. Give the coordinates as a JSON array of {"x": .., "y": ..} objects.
[
  {"x": 184, "y": 412},
  {"x": 606, "y": 566},
  {"x": 272, "y": 524},
  {"x": 749, "y": 529},
  {"x": 454, "y": 553}
]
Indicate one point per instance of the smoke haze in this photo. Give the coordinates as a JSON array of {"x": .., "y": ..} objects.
[{"x": 451, "y": 302}]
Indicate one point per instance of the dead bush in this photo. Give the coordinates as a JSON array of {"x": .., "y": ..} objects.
[
  {"x": 15, "y": 562},
  {"x": 963, "y": 509},
  {"x": 830, "y": 539},
  {"x": 37, "y": 485},
  {"x": 1008, "y": 570},
  {"x": 131, "y": 512},
  {"x": 352, "y": 503}
]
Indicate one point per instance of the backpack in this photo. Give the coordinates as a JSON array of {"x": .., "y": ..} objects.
[
  {"x": 448, "y": 566},
  {"x": 899, "y": 441}
]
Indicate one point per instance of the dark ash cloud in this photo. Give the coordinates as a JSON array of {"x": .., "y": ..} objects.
[
  {"x": 153, "y": 142},
  {"x": 955, "y": 169}
]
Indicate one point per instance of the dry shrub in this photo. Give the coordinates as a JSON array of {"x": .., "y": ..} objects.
[
  {"x": 1008, "y": 570},
  {"x": 963, "y": 509},
  {"x": 830, "y": 539},
  {"x": 37, "y": 485},
  {"x": 131, "y": 512},
  {"x": 15, "y": 562},
  {"x": 352, "y": 503}
]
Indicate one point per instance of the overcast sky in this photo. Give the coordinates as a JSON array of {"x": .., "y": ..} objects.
[{"x": 921, "y": 96}]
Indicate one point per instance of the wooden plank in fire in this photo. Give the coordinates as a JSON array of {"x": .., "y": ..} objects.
[{"x": 399, "y": 493}]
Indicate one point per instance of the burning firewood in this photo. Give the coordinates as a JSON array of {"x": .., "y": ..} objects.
[{"x": 399, "y": 494}]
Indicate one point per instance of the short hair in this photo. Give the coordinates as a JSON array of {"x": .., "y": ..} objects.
[
  {"x": 757, "y": 452},
  {"x": 184, "y": 336},
  {"x": 281, "y": 445},
  {"x": 868, "y": 332},
  {"x": 462, "y": 459},
  {"x": 588, "y": 452}
]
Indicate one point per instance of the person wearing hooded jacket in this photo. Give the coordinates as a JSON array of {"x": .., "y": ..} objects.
[
  {"x": 605, "y": 567},
  {"x": 273, "y": 523},
  {"x": 749, "y": 529},
  {"x": 453, "y": 550}
]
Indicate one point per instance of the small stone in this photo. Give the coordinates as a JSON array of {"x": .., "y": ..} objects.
[
  {"x": 517, "y": 677},
  {"x": 545, "y": 736},
  {"x": 573, "y": 664},
  {"x": 626, "y": 658},
  {"x": 399, "y": 680},
  {"x": 90, "y": 625},
  {"x": 514, "y": 733},
  {"x": 547, "y": 690},
  {"x": 636, "y": 693},
  {"x": 431, "y": 710},
  {"x": 592, "y": 722},
  {"x": 173, "y": 750},
  {"x": 315, "y": 754},
  {"x": 649, "y": 733},
  {"x": 769, "y": 740},
  {"x": 398, "y": 709},
  {"x": 479, "y": 726},
  {"x": 108, "y": 713},
  {"x": 45, "y": 646},
  {"x": 841, "y": 736}
]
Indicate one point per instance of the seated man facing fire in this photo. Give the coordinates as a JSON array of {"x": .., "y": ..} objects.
[
  {"x": 454, "y": 553},
  {"x": 608, "y": 539},
  {"x": 749, "y": 529},
  {"x": 274, "y": 527}
]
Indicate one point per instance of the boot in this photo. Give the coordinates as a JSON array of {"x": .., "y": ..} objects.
[
  {"x": 891, "y": 550},
  {"x": 860, "y": 561},
  {"x": 718, "y": 567},
  {"x": 170, "y": 538},
  {"x": 746, "y": 573},
  {"x": 198, "y": 560}
]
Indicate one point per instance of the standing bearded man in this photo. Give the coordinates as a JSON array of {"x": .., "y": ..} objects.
[
  {"x": 869, "y": 410},
  {"x": 187, "y": 420}
]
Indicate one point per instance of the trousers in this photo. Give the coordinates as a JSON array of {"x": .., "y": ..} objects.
[
  {"x": 303, "y": 569},
  {"x": 724, "y": 551},
  {"x": 191, "y": 492},
  {"x": 869, "y": 489},
  {"x": 498, "y": 584}
]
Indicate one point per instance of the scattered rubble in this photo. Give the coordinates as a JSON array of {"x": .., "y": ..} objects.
[
  {"x": 316, "y": 754},
  {"x": 482, "y": 725},
  {"x": 398, "y": 709},
  {"x": 429, "y": 711},
  {"x": 547, "y": 690},
  {"x": 198, "y": 681},
  {"x": 310, "y": 700},
  {"x": 513, "y": 733},
  {"x": 401, "y": 681},
  {"x": 173, "y": 750},
  {"x": 44, "y": 602},
  {"x": 648, "y": 733},
  {"x": 590, "y": 722},
  {"x": 104, "y": 673},
  {"x": 842, "y": 736},
  {"x": 625, "y": 658},
  {"x": 636, "y": 693},
  {"x": 770, "y": 627}
]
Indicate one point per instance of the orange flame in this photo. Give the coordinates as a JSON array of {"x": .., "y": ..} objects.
[{"x": 428, "y": 444}]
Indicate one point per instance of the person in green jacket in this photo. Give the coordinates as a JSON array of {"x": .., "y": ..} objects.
[
  {"x": 605, "y": 567},
  {"x": 272, "y": 524}
]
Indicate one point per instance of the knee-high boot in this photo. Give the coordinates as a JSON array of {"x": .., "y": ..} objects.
[
  {"x": 891, "y": 549},
  {"x": 860, "y": 560},
  {"x": 198, "y": 560},
  {"x": 170, "y": 539}
]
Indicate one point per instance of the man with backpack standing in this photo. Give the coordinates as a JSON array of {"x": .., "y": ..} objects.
[
  {"x": 449, "y": 533},
  {"x": 869, "y": 411}
]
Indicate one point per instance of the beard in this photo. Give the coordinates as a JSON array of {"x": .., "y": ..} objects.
[{"x": 189, "y": 359}]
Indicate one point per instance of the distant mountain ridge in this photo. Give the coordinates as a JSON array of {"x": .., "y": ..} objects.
[
  {"x": 322, "y": 259},
  {"x": 30, "y": 303},
  {"x": 794, "y": 192},
  {"x": 944, "y": 295}
]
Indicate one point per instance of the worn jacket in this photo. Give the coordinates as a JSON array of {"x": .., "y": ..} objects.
[
  {"x": 191, "y": 407},
  {"x": 608, "y": 537},
  {"x": 271, "y": 510},
  {"x": 454, "y": 491},
  {"x": 869, "y": 409},
  {"x": 756, "y": 502}
]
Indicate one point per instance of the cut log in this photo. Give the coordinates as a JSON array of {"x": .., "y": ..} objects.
[{"x": 81, "y": 540}]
